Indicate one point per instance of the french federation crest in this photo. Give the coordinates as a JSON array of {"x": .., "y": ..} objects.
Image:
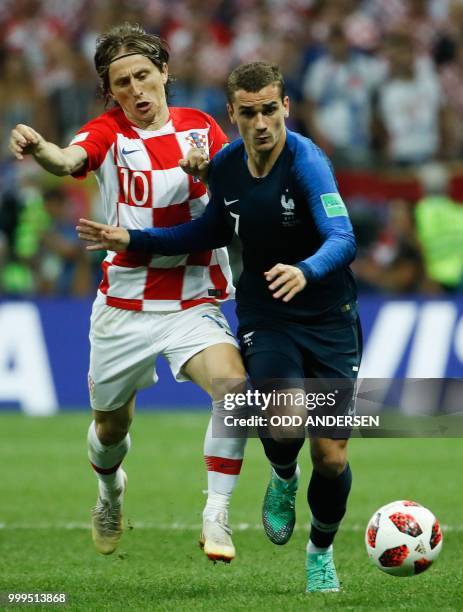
[{"x": 288, "y": 210}]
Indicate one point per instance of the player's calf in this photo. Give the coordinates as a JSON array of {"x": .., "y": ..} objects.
[
  {"x": 223, "y": 455},
  {"x": 107, "y": 514}
]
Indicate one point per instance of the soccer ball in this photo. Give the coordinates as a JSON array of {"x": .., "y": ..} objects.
[{"x": 403, "y": 538}]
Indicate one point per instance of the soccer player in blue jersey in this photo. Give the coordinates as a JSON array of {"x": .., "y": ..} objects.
[{"x": 296, "y": 297}]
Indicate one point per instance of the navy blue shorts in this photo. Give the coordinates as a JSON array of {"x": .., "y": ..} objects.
[{"x": 296, "y": 355}]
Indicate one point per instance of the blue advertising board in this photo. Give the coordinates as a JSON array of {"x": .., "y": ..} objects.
[{"x": 44, "y": 350}]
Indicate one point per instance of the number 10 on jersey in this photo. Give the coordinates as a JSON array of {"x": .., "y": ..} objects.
[{"x": 135, "y": 186}]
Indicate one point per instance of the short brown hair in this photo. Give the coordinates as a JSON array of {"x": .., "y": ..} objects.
[
  {"x": 131, "y": 38},
  {"x": 254, "y": 77}
]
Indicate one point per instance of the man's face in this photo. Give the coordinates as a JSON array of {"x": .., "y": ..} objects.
[
  {"x": 260, "y": 117},
  {"x": 138, "y": 86}
]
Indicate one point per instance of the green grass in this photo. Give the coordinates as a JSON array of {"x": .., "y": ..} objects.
[{"x": 48, "y": 489}]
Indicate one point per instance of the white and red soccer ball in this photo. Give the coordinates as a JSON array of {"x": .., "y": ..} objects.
[{"x": 403, "y": 538}]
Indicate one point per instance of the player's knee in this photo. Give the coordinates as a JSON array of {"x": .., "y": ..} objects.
[
  {"x": 235, "y": 372},
  {"x": 111, "y": 431},
  {"x": 287, "y": 435},
  {"x": 232, "y": 380},
  {"x": 286, "y": 440},
  {"x": 329, "y": 463}
]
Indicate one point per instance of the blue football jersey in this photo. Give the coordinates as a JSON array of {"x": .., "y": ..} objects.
[{"x": 294, "y": 215}]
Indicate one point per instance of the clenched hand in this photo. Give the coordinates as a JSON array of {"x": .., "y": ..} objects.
[
  {"x": 196, "y": 163},
  {"x": 24, "y": 140}
]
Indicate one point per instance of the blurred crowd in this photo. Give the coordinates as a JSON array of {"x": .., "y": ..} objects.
[{"x": 377, "y": 84}]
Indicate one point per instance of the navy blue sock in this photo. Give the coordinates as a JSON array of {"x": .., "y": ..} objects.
[
  {"x": 283, "y": 455},
  {"x": 327, "y": 499}
]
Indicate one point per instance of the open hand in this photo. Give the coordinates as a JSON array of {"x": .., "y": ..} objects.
[
  {"x": 285, "y": 281},
  {"x": 103, "y": 237}
]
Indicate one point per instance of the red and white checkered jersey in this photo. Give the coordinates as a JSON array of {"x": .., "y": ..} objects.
[{"x": 142, "y": 185}]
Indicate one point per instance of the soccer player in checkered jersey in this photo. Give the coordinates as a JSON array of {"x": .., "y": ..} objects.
[{"x": 149, "y": 305}]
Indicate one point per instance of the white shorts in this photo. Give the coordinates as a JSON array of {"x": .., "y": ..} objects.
[{"x": 124, "y": 346}]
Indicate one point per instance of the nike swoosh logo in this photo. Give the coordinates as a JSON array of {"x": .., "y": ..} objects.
[
  {"x": 124, "y": 152},
  {"x": 228, "y": 202}
]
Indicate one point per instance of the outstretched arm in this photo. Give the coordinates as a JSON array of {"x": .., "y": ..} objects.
[
  {"x": 210, "y": 231},
  {"x": 24, "y": 140},
  {"x": 207, "y": 232}
]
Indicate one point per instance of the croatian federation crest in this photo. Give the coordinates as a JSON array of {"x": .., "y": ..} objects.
[{"x": 197, "y": 141}]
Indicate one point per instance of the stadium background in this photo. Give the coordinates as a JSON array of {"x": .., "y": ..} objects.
[{"x": 379, "y": 85}]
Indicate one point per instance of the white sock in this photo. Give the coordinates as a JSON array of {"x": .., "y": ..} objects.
[
  {"x": 223, "y": 457},
  {"x": 311, "y": 548},
  {"x": 216, "y": 504},
  {"x": 106, "y": 461},
  {"x": 295, "y": 476}
]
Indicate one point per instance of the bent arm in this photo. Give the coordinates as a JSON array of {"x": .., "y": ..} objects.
[
  {"x": 26, "y": 141},
  {"x": 331, "y": 218},
  {"x": 209, "y": 231},
  {"x": 337, "y": 251}
]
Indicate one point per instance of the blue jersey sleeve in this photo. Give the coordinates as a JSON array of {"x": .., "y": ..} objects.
[
  {"x": 209, "y": 231},
  {"x": 315, "y": 177}
]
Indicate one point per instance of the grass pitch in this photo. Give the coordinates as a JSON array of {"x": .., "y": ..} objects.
[{"x": 48, "y": 490}]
